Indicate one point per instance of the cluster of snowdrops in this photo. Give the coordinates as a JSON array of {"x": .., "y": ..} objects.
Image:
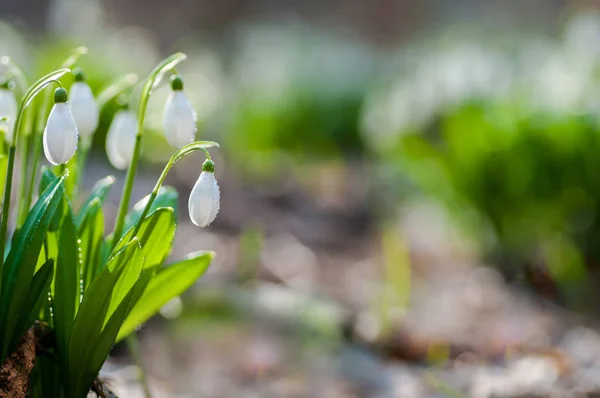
[{"x": 64, "y": 282}]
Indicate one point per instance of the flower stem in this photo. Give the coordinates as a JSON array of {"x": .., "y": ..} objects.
[
  {"x": 151, "y": 82},
  {"x": 25, "y": 101},
  {"x": 42, "y": 114},
  {"x": 23, "y": 178},
  {"x": 180, "y": 154},
  {"x": 81, "y": 160},
  {"x": 25, "y": 186},
  {"x": 6, "y": 204}
]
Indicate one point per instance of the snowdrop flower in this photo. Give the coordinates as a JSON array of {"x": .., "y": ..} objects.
[
  {"x": 203, "y": 204},
  {"x": 8, "y": 109},
  {"x": 83, "y": 106},
  {"x": 60, "y": 135},
  {"x": 120, "y": 140},
  {"x": 179, "y": 118}
]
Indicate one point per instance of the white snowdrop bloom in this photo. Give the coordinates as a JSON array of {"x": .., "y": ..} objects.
[
  {"x": 83, "y": 106},
  {"x": 120, "y": 140},
  {"x": 8, "y": 109},
  {"x": 203, "y": 204},
  {"x": 179, "y": 117},
  {"x": 60, "y": 135}
]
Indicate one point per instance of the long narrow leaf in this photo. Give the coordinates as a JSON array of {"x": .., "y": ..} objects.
[
  {"x": 99, "y": 191},
  {"x": 155, "y": 236},
  {"x": 91, "y": 233},
  {"x": 167, "y": 284},
  {"x": 105, "y": 298},
  {"x": 38, "y": 293},
  {"x": 65, "y": 289},
  {"x": 167, "y": 197},
  {"x": 22, "y": 260}
]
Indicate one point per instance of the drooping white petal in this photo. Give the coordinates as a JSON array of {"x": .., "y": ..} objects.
[
  {"x": 120, "y": 140},
  {"x": 60, "y": 135},
  {"x": 8, "y": 109},
  {"x": 179, "y": 120},
  {"x": 203, "y": 203},
  {"x": 84, "y": 108}
]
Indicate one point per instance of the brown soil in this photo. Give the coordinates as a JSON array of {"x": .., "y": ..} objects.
[{"x": 14, "y": 373}]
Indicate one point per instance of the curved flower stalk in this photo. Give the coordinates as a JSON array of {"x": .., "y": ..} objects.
[
  {"x": 208, "y": 167},
  {"x": 25, "y": 101},
  {"x": 113, "y": 90},
  {"x": 84, "y": 107},
  {"x": 179, "y": 117},
  {"x": 8, "y": 109},
  {"x": 39, "y": 121},
  {"x": 60, "y": 135},
  {"x": 152, "y": 81},
  {"x": 120, "y": 140},
  {"x": 203, "y": 204}
]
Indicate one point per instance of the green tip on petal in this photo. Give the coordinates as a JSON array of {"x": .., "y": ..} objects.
[
  {"x": 209, "y": 166},
  {"x": 79, "y": 75},
  {"x": 7, "y": 84},
  {"x": 176, "y": 83},
  {"x": 60, "y": 95},
  {"x": 123, "y": 102}
]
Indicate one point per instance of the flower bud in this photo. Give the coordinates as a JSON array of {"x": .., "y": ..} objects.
[
  {"x": 120, "y": 140},
  {"x": 60, "y": 135},
  {"x": 203, "y": 204},
  {"x": 83, "y": 106},
  {"x": 8, "y": 109},
  {"x": 179, "y": 117}
]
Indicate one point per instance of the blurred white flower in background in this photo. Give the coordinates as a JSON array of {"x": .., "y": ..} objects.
[
  {"x": 120, "y": 139},
  {"x": 83, "y": 106},
  {"x": 8, "y": 109},
  {"x": 179, "y": 117},
  {"x": 431, "y": 82}
]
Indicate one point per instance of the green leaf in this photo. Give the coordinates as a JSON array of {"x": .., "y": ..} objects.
[
  {"x": 155, "y": 236},
  {"x": 170, "y": 282},
  {"x": 38, "y": 294},
  {"x": 167, "y": 197},
  {"x": 91, "y": 233},
  {"x": 65, "y": 289},
  {"x": 45, "y": 180},
  {"x": 104, "y": 304},
  {"x": 22, "y": 260},
  {"x": 99, "y": 191}
]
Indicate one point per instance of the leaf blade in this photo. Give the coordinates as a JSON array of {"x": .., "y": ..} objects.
[
  {"x": 168, "y": 283},
  {"x": 22, "y": 258}
]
